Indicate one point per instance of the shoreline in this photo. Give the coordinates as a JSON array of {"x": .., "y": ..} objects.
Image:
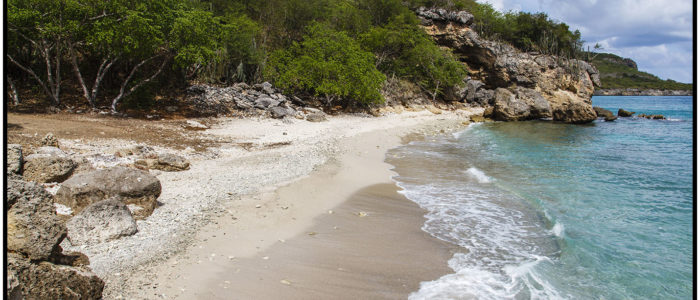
[
  {"x": 232, "y": 221},
  {"x": 640, "y": 92}
]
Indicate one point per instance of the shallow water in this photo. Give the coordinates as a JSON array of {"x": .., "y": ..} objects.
[{"x": 546, "y": 211}]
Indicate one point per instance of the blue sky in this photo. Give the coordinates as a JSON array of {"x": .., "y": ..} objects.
[{"x": 657, "y": 34}]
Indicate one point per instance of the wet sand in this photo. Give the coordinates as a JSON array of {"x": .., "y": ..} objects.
[{"x": 346, "y": 255}]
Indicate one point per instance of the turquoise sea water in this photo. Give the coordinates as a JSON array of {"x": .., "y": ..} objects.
[{"x": 557, "y": 211}]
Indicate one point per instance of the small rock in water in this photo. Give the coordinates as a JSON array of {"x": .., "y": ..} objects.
[
  {"x": 284, "y": 281},
  {"x": 362, "y": 214},
  {"x": 312, "y": 233},
  {"x": 258, "y": 206}
]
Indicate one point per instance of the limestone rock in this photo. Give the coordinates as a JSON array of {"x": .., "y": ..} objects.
[
  {"x": 623, "y": 113},
  {"x": 33, "y": 228},
  {"x": 604, "y": 113},
  {"x": 266, "y": 102},
  {"x": 171, "y": 163},
  {"x": 100, "y": 222},
  {"x": 48, "y": 164},
  {"x": 279, "y": 112},
  {"x": 45, "y": 280},
  {"x": 49, "y": 140},
  {"x": 525, "y": 104},
  {"x": 570, "y": 109},
  {"x": 134, "y": 186},
  {"x": 14, "y": 158},
  {"x": 316, "y": 117}
]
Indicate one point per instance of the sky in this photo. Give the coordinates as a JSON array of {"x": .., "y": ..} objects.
[{"x": 657, "y": 34}]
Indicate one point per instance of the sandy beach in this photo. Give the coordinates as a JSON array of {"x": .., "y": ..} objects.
[{"x": 279, "y": 209}]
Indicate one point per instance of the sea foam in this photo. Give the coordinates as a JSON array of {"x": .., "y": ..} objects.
[{"x": 479, "y": 175}]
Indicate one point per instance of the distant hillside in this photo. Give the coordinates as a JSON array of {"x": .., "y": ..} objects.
[{"x": 620, "y": 73}]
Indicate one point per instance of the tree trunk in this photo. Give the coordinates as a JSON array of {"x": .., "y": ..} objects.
[
  {"x": 91, "y": 96},
  {"x": 125, "y": 93},
  {"x": 13, "y": 91}
]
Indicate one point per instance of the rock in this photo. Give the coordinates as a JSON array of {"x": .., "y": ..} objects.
[
  {"x": 266, "y": 102},
  {"x": 442, "y": 15},
  {"x": 267, "y": 88},
  {"x": 14, "y": 159},
  {"x": 623, "y": 113},
  {"x": 604, "y": 113},
  {"x": 171, "y": 163},
  {"x": 48, "y": 164},
  {"x": 101, "y": 221},
  {"x": 525, "y": 104},
  {"x": 171, "y": 108},
  {"x": 569, "y": 109},
  {"x": 45, "y": 280},
  {"x": 134, "y": 186},
  {"x": 477, "y": 119},
  {"x": 33, "y": 228},
  {"x": 316, "y": 117},
  {"x": 49, "y": 140},
  {"x": 279, "y": 112}
]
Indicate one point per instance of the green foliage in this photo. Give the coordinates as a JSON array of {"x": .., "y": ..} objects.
[
  {"x": 406, "y": 51},
  {"x": 327, "y": 63},
  {"x": 615, "y": 73}
]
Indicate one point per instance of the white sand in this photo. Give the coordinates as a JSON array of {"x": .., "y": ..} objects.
[{"x": 241, "y": 202}]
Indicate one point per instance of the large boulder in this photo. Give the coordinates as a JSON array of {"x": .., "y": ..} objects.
[
  {"x": 604, "y": 113},
  {"x": 33, "y": 228},
  {"x": 48, "y": 164},
  {"x": 44, "y": 280},
  {"x": 525, "y": 104},
  {"x": 568, "y": 108},
  {"x": 101, "y": 221},
  {"x": 134, "y": 186},
  {"x": 14, "y": 159}
]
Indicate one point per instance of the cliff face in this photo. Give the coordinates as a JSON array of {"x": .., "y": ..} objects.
[{"x": 516, "y": 85}]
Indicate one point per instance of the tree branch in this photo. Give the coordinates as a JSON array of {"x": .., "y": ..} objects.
[{"x": 123, "y": 93}]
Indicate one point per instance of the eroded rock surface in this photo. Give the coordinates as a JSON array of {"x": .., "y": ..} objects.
[
  {"x": 101, "y": 221},
  {"x": 48, "y": 164},
  {"x": 132, "y": 185},
  {"x": 33, "y": 228}
]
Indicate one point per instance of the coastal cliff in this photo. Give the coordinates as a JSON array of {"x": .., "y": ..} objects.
[{"x": 510, "y": 84}]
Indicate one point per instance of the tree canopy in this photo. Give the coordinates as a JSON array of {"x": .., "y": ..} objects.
[{"x": 336, "y": 50}]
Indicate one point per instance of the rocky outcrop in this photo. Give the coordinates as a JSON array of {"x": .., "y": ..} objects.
[
  {"x": 623, "y": 113},
  {"x": 567, "y": 85},
  {"x": 137, "y": 188},
  {"x": 100, "y": 222},
  {"x": 521, "y": 104},
  {"x": 604, "y": 113},
  {"x": 45, "y": 280},
  {"x": 642, "y": 92},
  {"x": 442, "y": 15},
  {"x": 14, "y": 159},
  {"x": 33, "y": 228},
  {"x": 654, "y": 117},
  {"x": 48, "y": 164}
]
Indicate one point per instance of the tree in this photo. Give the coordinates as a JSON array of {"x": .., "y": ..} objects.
[
  {"x": 37, "y": 30},
  {"x": 327, "y": 63}
]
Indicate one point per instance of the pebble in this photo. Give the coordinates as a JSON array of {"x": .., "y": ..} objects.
[{"x": 284, "y": 281}]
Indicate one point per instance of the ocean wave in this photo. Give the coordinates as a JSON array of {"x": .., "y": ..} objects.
[{"x": 479, "y": 175}]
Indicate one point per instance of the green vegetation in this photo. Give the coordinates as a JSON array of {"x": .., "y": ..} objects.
[
  {"x": 617, "y": 72},
  {"x": 124, "y": 52}
]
